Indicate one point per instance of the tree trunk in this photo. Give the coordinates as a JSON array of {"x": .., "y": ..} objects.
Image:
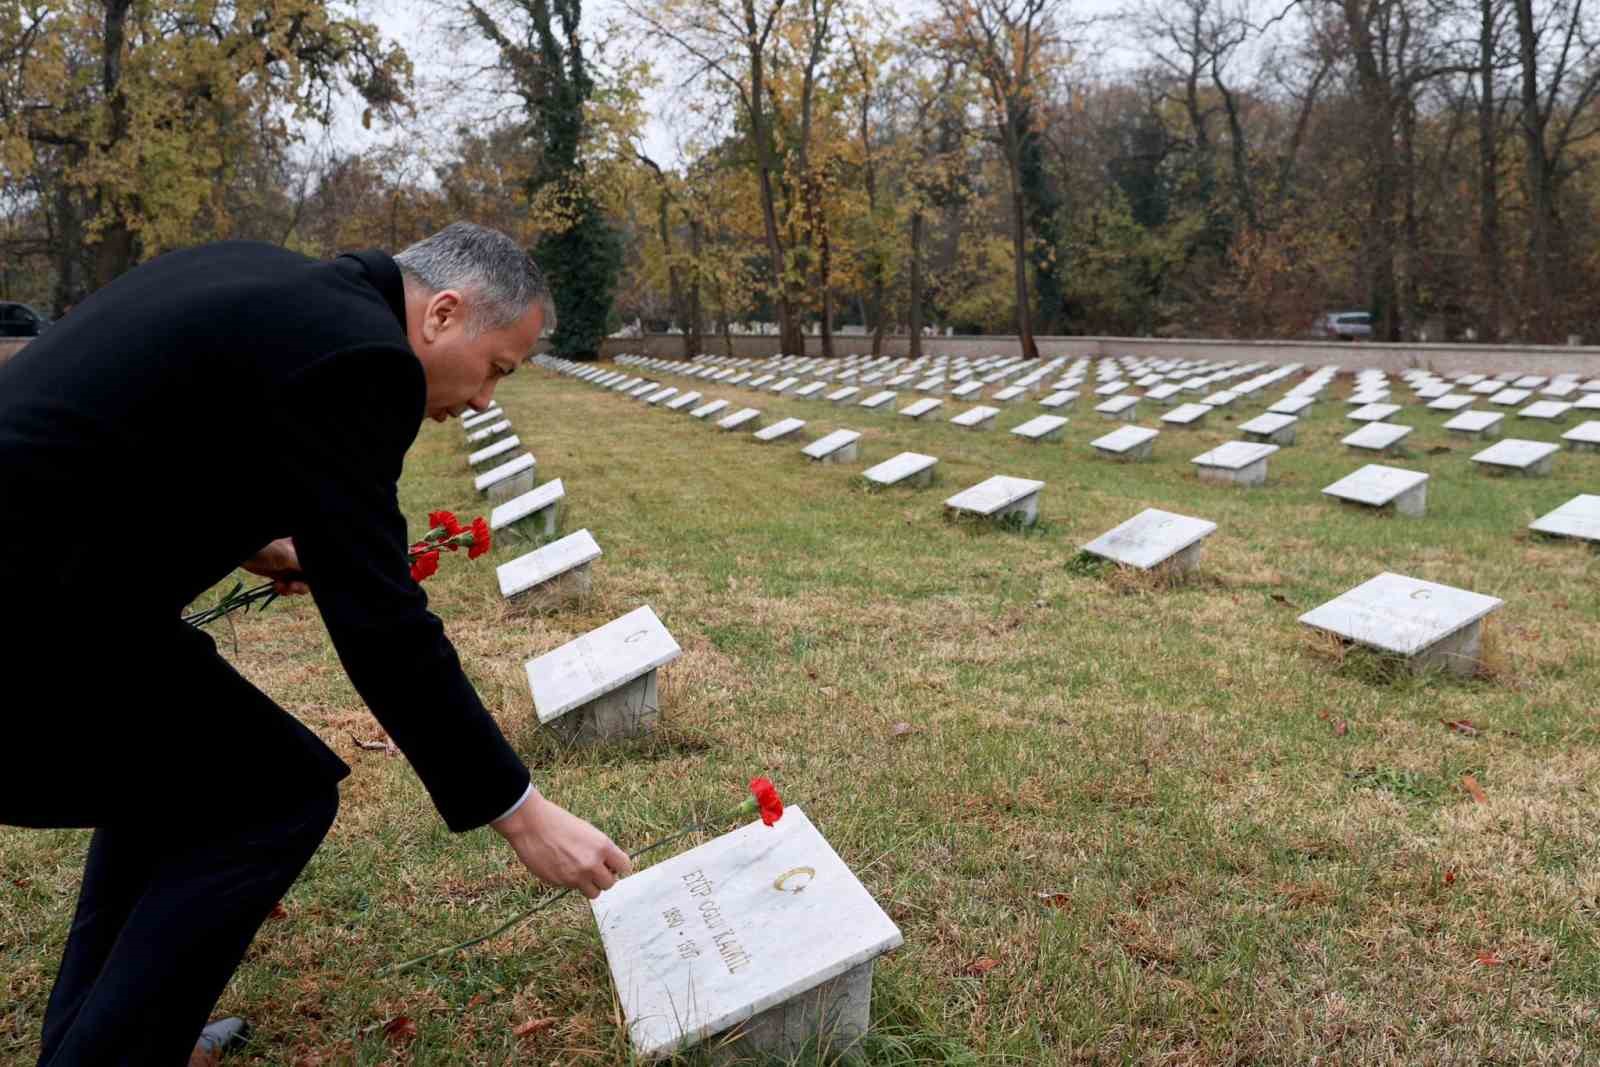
[
  {"x": 1378, "y": 238},
  {"x": 1019, "y": 240},
  {"x": 1539, "y": 178},
  {"x": 914, "y": 316},
  {"x": 692, "y": 324},
  {"x": 790, "y": 337},
  {"x": 115, "y": 250},
  {"x": 1491, "y": 258}
]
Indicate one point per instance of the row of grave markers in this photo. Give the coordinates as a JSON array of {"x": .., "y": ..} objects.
[
  {"x": 1430, "y": 629},
  {"x": 740, "y": 937}
]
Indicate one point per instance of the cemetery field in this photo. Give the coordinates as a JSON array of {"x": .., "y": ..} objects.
[{"x": 1117, "y": 820}]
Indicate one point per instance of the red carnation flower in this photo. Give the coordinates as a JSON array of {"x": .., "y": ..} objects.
[
  {"x": 445, "y": 519},
  {"x": 767, "y": 798},
  {"x": 480, "y": 538},
  {"x": 425, "y": 566}
]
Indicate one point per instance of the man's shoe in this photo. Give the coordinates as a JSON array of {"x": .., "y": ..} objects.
[{"x": 223, "y": 1035}]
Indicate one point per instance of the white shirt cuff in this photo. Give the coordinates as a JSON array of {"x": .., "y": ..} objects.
[{"x": 512, "y": 810}]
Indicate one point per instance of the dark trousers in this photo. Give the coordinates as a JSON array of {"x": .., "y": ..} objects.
[
  {"x": 161, "y": 924},
  {"x": 206, "y": 800}
]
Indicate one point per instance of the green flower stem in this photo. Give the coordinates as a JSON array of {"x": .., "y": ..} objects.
[{"x": 748, "y": 807}]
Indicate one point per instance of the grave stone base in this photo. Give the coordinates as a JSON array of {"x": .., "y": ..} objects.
[
  {"x": 1456, "y": 653},
  {"x": 1181, "y": 563},
  {"x": 1584, "y": 446},
  {"x": 508, "y": 488},
  {"x": 1128, "y": 414},
  {"x": 1053, "y": 435},
  {"x": 1250, "y": 475},
  {"x": 1486, "y": 433},
  {"x": 919, "y": 480},
  {"x": 981, "y": 424},
  {"x": 847, "y": 454},
  {"x": 1024, "y": 512},
  {"x": 1537, "y": 469},
  {"x": 541, "y": 523},
  {"x": 628, "y": 711},
  {"x": 546, "y": 596},
  {"x": 831, "y": 1019},
  {"x": 1285, "y": 436}
]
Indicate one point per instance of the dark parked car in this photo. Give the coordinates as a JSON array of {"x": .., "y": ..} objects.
[{"x": 20, "y": 320}]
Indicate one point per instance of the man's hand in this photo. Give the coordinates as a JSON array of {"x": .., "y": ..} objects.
[
  {"x": 281, "y": 563},
  {"x": 562, "y": 849}
]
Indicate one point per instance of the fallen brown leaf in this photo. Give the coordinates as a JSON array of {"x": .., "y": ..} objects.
[
  {"x": 477, "y": 999},
  {"x": 381, "y": 745},
  {"x": 533, "y": 1026},
  {"x": 1450, "y": 876},
  {"x": 1280, "y": 598},
  {"x": 1054, "y": 900},
  {"x": 980, "y": 967},
  {"x": 1461, "y": 726},
  {"x": 1470, "y": 784},
  {"x": 278, "y": 911},
  {"x": 1489, "y": 959},
  {"x": 900, "y": 729},
  {"x": 400, "y": 1028}
]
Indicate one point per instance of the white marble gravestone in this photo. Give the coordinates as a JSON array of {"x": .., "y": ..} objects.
[
  {"x": 494, "y": 452},
  {"x": 1431, "y": 625},
  {"x": 757, "y": 383},
  {"x": 661, "y": 394},
  {"x": 1235, "y": 462},
  {"x": 782, "y": 428},
  {"x": 980, "y": 417},
  {"x": 1011, "y": 394},
  {"x": 810, "y": 389},
  {"x": 1373, "y": 412},
  {"x": 1270, "y": 428},
  {"x": 1529, "y": 381},
  {"x": 705, "y": 411},
  {"x": 1000, "y": 497},
  {"x": 603, "y": 684},
  {"x": 926, "y": 408},
  {"x": 1111, "y": 388},
  {"x": 536, "y": 508},
  {"x": 1126, "y": 443},
  {"x": 878, "y": 399},
  {"x": 479, "y": 437},
  {"x": 840, "y": 446},
  {"x": 1291, "y": 405},
  {"x": 764, "y": 931},
  {"x": 840, "y": 396},
  {"x": 783, "y": 385},
  {"x": 1578, "y": 518},
  {"x": 510, "y": 479},
  {"x": 744, "y": 418},
  {"x": 1166, "y": 395},
  {"x": 1377, "y": 486},
  {"x": 1041, "y": 428},
  {"x": 1509, "y": 397},
  {"x": 482, "y": 418},
  {"x": 966, "y": 389},
  {"x": 1516, "y": 456},
  {"x": 551, "y": 575},
  {"x": 1155, "y": 539},
  {"x": 1587, "y": 402},
  {"x": 1476, "y": 424},
  {"x": 1546, "y": 411},
  {"x": 1058, "y": 399},
  {"x": 645, "y": 389},
  {"x": 683, "y": 401},
  {"x": 1450, "y": 402},
  {"x": 1123, "y": 408},
  {"x": 913, "y": 468},
  {"x": 1377, "y": 437},
  {"x": 1584, "y": 437},
  {"x": 933, "y": 384},
  {"x": 1189, "y": 416}
]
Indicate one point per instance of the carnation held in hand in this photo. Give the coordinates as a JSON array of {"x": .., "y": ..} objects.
[{"x": 446, "y": 533}]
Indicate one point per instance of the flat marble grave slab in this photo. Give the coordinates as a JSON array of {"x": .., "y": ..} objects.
[
  {"x": 1058, "y": 399},
  {"x": 705, "y": 411},
  {"x": 980, "y": 417},
  {"x": 1585, "y": 437},
  {"x": 839, "y": 396},
  {"x": 1431, "y": 625},
  {"x": 907, "y": 466},
  {"x": 764, "y": 928},
  {"x": 490, "y": 453},
  {"x": 1546, "y": 410},
  {"x": 878, "y": 399},
  {"x": 810, "y": 389},
  {"x": 840, "y": 446},
  {"x": 922, "y": 409},
  {"x": 578, "y": 676},
  {"x": 1509, "y": 397},
  {"x": 482, "y": 418},
  {"x": 661, "y": 394},
  {"x": 1238, "y": 462},
  {"x": 1154, "y": 538},
  {"x": 1578, "y": 518},
  {"x": 1290, "y": 405},
  {"x": 1271, "y": 428},
  {"x": 1001, "y": 496},
  {"x": 507, "y": 480},
  {"x": 1373, "y": 412},
  {"x": 1532, "y": 458},
  {"x": 528, "y": 505},
  {"x": 1011, "y": 394},
  {"x": 564, "y": 563},
  {"x": 1127, "y": 443},
  {"x": 1476, "y": 423},
  {"x": 1165, "y": 394},
  {"x": 1119, "y": 407},
  {"x": 1378, "y": 486},
  {"x": 779, "y": 429},
  {"x": 1187, "y": 415},
  {"x": 1377, "y": 436},
  {"x": 966, "y": 389},
  {"x": 477, "y": 437},
  {"x": 1041, "y": 428},
  {"x": 682, "y": 401}
]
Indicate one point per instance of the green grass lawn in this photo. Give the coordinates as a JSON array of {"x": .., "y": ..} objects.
[{"x": 1117, "y": 822}]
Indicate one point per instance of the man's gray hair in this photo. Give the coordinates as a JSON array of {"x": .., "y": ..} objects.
[{"x": 500, "y": 278}]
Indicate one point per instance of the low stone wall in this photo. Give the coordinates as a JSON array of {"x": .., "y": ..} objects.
[
  {"x": 9, "y": 348},
  {"x": 1443, "y": 358}
]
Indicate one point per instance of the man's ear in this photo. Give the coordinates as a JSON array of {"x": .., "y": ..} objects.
[{"x": 445, "y": 311}]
